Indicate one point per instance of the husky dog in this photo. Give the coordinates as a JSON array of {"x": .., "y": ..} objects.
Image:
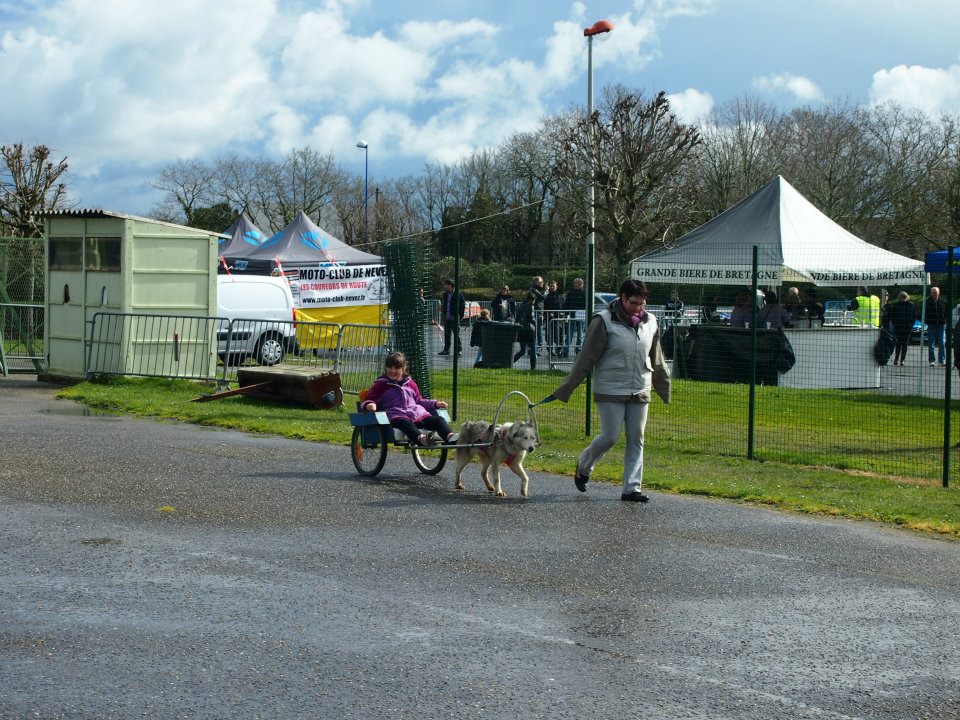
[{"x": 509, "y": 445}]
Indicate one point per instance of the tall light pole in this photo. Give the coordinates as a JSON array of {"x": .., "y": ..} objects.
[
  {"x": 598, "y": 28},
  {"x": 366, "y": 166}
]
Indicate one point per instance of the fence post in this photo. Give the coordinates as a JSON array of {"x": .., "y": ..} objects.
[
  {"x": 752, "y": 407},
  {"x": 456, "y": 340},
  {"x": 948, "y": 369}
]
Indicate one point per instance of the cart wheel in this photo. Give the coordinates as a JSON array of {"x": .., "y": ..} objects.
[
  {"x": 368, "y": 457},
  {"x": 429, "y": 460}
]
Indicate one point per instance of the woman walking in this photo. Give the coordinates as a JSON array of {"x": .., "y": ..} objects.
[
  {"x": 622, "y": 348},
  {"x": 901, "y": 315}
]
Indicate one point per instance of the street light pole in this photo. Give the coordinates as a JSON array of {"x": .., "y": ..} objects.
[
  {"x": 366, "y": 215},
  {"x": 599, "y": 27}
]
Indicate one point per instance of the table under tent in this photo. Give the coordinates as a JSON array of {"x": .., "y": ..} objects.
[{"x": 797, "y": 244}]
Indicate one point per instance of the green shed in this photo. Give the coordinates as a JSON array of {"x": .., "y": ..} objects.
[{"x": 105, "y": 262}]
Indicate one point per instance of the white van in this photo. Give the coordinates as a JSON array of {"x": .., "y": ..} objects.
[{"x": 263, "y": 318}]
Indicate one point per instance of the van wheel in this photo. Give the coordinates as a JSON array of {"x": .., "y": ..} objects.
[{"x": 269, "y": 349}]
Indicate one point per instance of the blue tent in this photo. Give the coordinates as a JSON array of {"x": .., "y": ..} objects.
[{"x": 936, "y": 261}]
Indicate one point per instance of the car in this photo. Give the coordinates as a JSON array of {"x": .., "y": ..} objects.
[
  {"x": 602, "y": 299},
  {"x": 261, "y": 313},
  {"x": 918, "y": 336}
]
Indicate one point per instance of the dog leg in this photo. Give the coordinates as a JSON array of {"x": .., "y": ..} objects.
[
  {"x": 463, "y": 459},
  {"x": 496, "y": 481},
  {"x": 485, "y": 473},
  {"x": 524, "y": 478}
]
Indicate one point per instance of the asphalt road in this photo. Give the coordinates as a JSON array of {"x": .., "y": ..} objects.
[{"x": 161, "y": 570}]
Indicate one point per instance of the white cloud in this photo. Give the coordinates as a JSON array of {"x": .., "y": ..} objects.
[
  {"x": 124, "y": 86},
  {"x": 803, "y": 89},
  {"x": 691, "y": 106},
  {"x": 932, "y": 90}
]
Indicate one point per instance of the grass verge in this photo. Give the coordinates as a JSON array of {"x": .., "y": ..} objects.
[{"x": 840, "y": 486}]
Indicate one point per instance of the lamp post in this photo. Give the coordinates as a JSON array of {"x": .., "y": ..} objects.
[
  {"x": 598, "y": 28},
  {"x": 366, "y": 216}
]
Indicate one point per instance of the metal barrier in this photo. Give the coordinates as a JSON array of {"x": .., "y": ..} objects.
[
  {"x": 361, "y": 351},
  {"x": 174, "y": 346},
  {"x": 211, "y": 348},
  {"x": 21, "y": 338}
]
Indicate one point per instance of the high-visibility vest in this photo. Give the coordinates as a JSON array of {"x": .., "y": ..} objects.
[{"x": 867, "y": 313}]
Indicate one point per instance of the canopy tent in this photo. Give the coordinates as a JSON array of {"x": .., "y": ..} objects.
[
  {"x": 244, "y": 238},
  {"x": 936, "y": 261},
  {"x": 331, "y": 281},
  {"x": 796, "y": 243}
]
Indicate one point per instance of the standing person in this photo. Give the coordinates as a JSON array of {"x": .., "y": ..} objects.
[
  {"x": 453, "y": 306},
  {"x": 772, "y": 315},
  {"x": 813, "y": 308},
  {"x": 503, "y": 307},
  {"x": 792, "y": 304},
  {"x": 575, "y": 303},
  {"x": 901, "y": 315},
  {"x": 866, "y": 308},
  {"x": 527, "y": 334},
  {"x": 742, "y": 311},
  {"x": 396, "y": 394},
  {"x": 673, "y": 310},
  {"x": 935, "y": 315},
  {"x": 552, "y": 305},
  {"x": 476, "y": 336},
  {"x": 538, "y": 288},
  {"x": 622, "y": 348}
]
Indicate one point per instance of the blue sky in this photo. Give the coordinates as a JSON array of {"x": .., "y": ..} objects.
[{"x": 122, "y": 87}]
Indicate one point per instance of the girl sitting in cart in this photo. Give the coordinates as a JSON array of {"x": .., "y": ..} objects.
[{"x": 396, "y": 394}]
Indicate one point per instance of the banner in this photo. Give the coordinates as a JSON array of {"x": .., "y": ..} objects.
[
  {"x": 742, "y": 275},
  {"x": 331, "y": 285}
]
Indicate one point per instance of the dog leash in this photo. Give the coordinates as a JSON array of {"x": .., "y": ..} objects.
[{"x": 531, "y": 414}]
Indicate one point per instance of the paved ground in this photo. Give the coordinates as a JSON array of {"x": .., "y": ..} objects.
[{"x": 165, "y": 571}]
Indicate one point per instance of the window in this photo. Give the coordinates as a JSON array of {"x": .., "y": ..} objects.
[
  {"x": 66, "y": 253},
  {"x": 103, "y": 254}
]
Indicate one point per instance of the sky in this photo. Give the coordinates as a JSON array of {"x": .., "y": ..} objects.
[{"x": 123, "y": 87}]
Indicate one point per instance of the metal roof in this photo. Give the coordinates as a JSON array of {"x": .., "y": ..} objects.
[{"x": 97, "y": 213}]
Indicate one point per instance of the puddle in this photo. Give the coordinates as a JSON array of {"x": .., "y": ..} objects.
[{"x": 74, "y": 410}]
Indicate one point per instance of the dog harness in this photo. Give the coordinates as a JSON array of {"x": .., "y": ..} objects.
[{"x": 510, "y": 458}]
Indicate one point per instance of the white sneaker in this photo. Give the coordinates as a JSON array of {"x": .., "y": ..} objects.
[{"x": 933, "y": 364}]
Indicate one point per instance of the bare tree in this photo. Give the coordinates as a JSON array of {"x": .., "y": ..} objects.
[
  {"x": 30, "y": 184},
  {"x": 740, "y": 153},
  {"x": 188, "y": 185},
  {"x": 640, "y": 153},
  {"x": 304, "y": 180}
]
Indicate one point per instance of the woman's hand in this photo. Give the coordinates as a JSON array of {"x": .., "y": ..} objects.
[
  {"x": 370, "y": 407},
  {"x": 441, "y": 404}
]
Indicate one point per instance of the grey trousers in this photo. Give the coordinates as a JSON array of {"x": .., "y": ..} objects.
[{"x": 613, "y": 417}]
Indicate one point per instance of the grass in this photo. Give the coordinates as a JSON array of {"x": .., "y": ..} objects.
[{"x": 825, "y": 460}]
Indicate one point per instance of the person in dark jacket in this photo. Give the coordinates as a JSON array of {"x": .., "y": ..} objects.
[
  {"x": 503, "y": 307},
  {"x": 452, "y": 307},
  {"x": 476, "y": 335},
  {"x": 527, "y": 334},
  {"x": 539, "y": 290},
  {"x": 935, "y": 315},
  {"x": 901, "y": 316},
  {"x": 552, "y": 305},
  {"x": 575, "y": 303}
]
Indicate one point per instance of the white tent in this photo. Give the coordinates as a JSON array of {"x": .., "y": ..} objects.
[{"x": 797, "y": 243}]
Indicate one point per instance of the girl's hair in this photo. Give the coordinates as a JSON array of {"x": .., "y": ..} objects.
[
  {"x": 485, "y": 313},
  {"x": 634, "y": 288},
  {"x": 396, "y": 360}
]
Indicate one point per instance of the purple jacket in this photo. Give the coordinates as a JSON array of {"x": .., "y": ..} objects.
[{"x": 399, "y": 399}]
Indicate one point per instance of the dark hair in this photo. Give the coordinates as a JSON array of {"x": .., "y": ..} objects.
[
  {"x": 396, "y": 360},
  {"x": 632, "y": 288},
  {"x": 449, "y": 281},
  {"x": 771, "y": 297}
]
